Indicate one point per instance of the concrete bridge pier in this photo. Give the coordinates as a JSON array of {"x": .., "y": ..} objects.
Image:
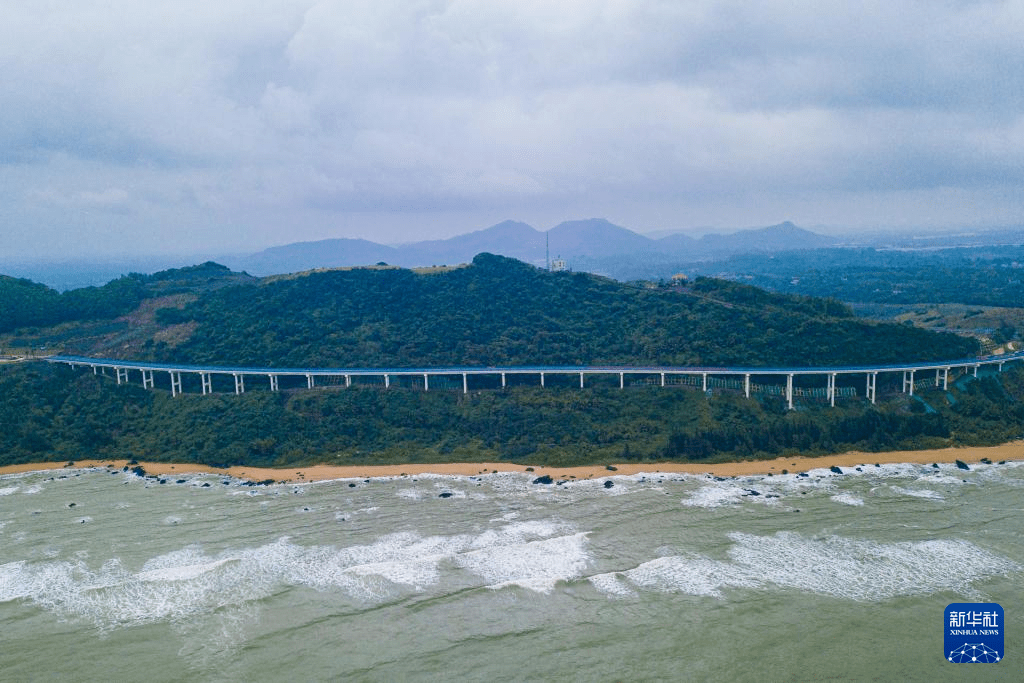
[
  {"x": 622, "y": 380},
  {"x": 832, "y": 389},
  {"x": 746, "y": 385},
  {"x": 387, "y": 381},
  {"x": 581, "y": 380},
  {"x": 908, "y": 382},
  {"x": 503, "y": 380},
  {"x": 465, "y": 384},
  {"x": 945, "y": 379},
  {"x": 348, "y": 380},
  {"x": 239, "y": 383},
  {"x": 175, "y": 383},
  {"x": 975, "y": 368},
  {"x": 789, "y": 390},
  {"x": 207, "y": 381},
  {"x": 872, "y": 383},
  {"x": 663, "y": 379},
  {"x": 273, "y": 382},
  {"x": 147, "y": 379},
  {"x": 122, "y": 374},
  {"x": 426, "y": 382},
  {"x": 542, "y": 380},
  {"x": 309, "y": 381}
]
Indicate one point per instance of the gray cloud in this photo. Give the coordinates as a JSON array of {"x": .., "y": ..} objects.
[{"x": 141, "y": 126}]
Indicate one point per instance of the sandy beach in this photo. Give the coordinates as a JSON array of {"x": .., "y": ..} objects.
[{"x": 1009, "y": 451}]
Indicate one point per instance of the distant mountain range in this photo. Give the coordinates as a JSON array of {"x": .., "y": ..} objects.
[{"x": 592, "y": 244}]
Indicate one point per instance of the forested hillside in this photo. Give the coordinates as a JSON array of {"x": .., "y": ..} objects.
[
  {"x": 495, "y": 311},
  {"x": 499, "y": 311},
  {"x": 24, "y": 303}
]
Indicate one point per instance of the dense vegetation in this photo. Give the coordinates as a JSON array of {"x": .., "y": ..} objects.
[
  {"x": 498, "y": 311},
  {"x": 53, "y": 412},
  {"x": 24, "y": 303}
]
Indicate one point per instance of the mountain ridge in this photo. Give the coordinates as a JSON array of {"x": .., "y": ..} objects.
[{"x": 577, "y": 241}]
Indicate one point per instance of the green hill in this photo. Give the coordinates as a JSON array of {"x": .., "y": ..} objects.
[
  {"x": 494, "y": 311},
  {"x": 498, "y": 311}
]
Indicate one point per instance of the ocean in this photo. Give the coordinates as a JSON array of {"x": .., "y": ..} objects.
[{"x": 105, "y": 575}]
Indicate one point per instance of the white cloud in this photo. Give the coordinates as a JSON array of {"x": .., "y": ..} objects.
[{"x": 233, "y": 116}]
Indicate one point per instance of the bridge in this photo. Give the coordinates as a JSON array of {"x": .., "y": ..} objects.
[{"x": 914, "y": 376}]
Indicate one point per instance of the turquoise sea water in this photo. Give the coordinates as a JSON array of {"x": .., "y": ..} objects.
[{"x": 108, "y": 576}]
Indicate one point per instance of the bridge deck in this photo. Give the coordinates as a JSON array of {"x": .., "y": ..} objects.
[
  {"x": 709, "y": 376},
  {"x": 532, "y": 369}
]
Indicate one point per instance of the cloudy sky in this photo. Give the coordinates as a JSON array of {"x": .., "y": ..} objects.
[{"x": 229, "y": 125}]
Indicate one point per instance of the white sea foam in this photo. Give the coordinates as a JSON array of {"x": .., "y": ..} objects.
[
  {"x": 693, "y": 575},
  {"x": 866, "y": 570},
  {"x": 717, "y": 494},
  {"x": 180, "y": 573},
  {"x": 411, "y": 494},
  {"x": 188, "y": 583},
  {"x": 918, "y": 493},
  {"x": 507, "y": 517},
  {"x": 536, "y": 565},
  {"x": 519, "y": 533},
  {"x": 845, "y": 568},
  {"x": 612, "y": 583},
  {"x": 712, "y": 496},
  {"x": 848, "y": 499},
  {"x": 9, "y": 490}
]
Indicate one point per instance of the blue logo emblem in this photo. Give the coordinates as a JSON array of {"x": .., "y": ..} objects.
[{"x": 974, "y": 633}]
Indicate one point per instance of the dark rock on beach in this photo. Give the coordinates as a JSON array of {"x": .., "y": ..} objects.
[
  {"x": 608, "y": 484},
  {"x": 962, "y": 465},
  {"x": 545, "y": 479},
  {"x": 835, "y": 469},
  {"x": 445, "y": 494}
]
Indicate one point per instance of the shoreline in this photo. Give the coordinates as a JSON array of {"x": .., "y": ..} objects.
[{"x": 793, "y": 464}]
